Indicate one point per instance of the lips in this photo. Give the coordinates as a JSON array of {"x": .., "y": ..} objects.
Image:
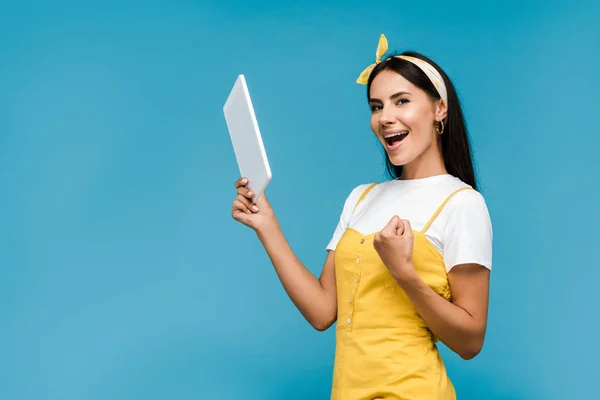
[{"x": 394, "y": 139}]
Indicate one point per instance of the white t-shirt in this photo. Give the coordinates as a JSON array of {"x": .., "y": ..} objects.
[{"x": 462, "y": 231}]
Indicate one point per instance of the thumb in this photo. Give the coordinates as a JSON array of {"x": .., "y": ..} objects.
[
  {"x": 262, "y": 201},
  {"x": 406, "y": 227},
  {"x": 393, "y": 226}
]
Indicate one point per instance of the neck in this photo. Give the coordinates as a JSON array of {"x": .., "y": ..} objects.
[{"x": 430, "y": 163}]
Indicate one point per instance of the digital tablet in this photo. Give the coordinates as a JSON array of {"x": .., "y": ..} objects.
[{"x": 246, "y": 138}]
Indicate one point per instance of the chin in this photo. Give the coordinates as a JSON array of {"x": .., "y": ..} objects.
[{"x": 398, "y": 160}]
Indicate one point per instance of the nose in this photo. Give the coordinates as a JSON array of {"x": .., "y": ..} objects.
[{"x": 386, "y": 116}]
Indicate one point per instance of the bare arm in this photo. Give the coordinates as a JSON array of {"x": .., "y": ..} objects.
[
  {"x": 315, "y": 298},
  {"x": 460, "y": 325}
]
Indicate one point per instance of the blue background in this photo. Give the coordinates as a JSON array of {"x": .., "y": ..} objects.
[{"x": 123, "y": 275}]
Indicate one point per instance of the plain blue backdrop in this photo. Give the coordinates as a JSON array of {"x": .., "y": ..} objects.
[{"x": 122, "y": 275}]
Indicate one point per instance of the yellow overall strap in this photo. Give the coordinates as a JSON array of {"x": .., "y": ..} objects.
[
  {"x": 441, "y": 207},
  {"x": 362, "y": 196}
]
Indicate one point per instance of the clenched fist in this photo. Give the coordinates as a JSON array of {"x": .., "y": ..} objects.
[{"x": 394, "y": 244}]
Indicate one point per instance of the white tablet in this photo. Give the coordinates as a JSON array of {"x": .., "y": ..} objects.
[{"x": 246, "y": 139}]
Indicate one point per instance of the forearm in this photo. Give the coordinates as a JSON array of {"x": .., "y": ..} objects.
[
  {"x": 303, "y": 288},
  {"x": 454, "y": 326}
]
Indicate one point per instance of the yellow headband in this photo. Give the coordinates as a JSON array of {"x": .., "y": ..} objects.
[{"x": 432, "y": 73}]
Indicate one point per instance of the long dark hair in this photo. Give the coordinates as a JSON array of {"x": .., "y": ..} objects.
[{"x": 455, "y": 146}]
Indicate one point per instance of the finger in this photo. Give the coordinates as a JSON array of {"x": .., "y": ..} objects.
[
  {"x": 406, "y": 227},
  {"x": 240, "y": 216},
  {"x": 249, "y": 203},
  {"x": 392, "y": 226},
  {"x": 240, "y": 204},
  {"x": 395, "y": 226},
  {"x": 247, "y": 193},
  {"x": 241, "y": 182},
  {"x": 400, "y": 229}
]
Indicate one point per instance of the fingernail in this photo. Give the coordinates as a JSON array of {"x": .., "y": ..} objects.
[
  {"x": 254, "y": 208},
  {"x": 244, "y": 180},
  {"x": 250, "y": 194}
]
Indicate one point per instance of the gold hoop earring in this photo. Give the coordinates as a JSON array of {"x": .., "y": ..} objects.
[{"x": 438, "y": 129}]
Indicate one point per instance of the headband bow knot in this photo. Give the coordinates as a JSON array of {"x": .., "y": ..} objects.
[
  {"x": 431, "y": 72},
  {"x": 382, "y": 48}
]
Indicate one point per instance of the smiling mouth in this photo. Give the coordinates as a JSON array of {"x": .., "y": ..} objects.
[{"x": 393, "y": 139}]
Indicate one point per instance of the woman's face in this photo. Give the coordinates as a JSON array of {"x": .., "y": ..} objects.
[{"x": 402, "y": 118}]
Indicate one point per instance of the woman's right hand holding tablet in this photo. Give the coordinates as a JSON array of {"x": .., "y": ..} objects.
[
  {"x": 314, "y": 297},
  {"x": 256, "y": 216}
]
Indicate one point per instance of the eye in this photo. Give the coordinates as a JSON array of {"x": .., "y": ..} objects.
[
  {"x": 375, "y": 107},
  {"x": 402, "y": 101}
]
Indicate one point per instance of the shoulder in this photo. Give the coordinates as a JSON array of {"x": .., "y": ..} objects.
[
  {"x": 353, "y": 198},
  {"x": 467, "y": 199},
  {"x": 467, "y": 218},
  {"x": 357, "y": 192},
  {"x": 361, "y": 188},
  {"x": 468, "y": 203},
  {"x": 466, "y": 210},
  {"x": 458, "y": 195},
  {"x": 467, "y": 231}
]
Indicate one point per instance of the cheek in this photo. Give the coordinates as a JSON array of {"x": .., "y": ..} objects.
[
  {"x": 374, "y": 124},
  {"x": 417, "y": 121},
  {"x": 412, "y": 118},
  {"x": 423, "y": 137}
]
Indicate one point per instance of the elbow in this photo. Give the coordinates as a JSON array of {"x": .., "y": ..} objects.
[
  {"x": 469, "y": 354},
  {"x": 321, "y": 325},
  {"x": 472, "y": 350},
  {"x": 323, "y": 316}
]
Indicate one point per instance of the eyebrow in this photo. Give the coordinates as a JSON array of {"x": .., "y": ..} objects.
[{"x": 392, "y": 97}]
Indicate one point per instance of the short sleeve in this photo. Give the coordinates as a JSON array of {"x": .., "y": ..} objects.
[
  {"x": 468, "y": 232},
  {"x": 344, "y": 220}
]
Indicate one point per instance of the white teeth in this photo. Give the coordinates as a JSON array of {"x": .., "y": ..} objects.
[{"x": 391, "y": 135}]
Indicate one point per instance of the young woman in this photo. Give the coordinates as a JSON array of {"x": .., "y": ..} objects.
[{"x": 409, "y": 262}]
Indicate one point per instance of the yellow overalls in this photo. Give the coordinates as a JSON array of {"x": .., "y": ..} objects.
[{"x": 384, "y": 350}]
